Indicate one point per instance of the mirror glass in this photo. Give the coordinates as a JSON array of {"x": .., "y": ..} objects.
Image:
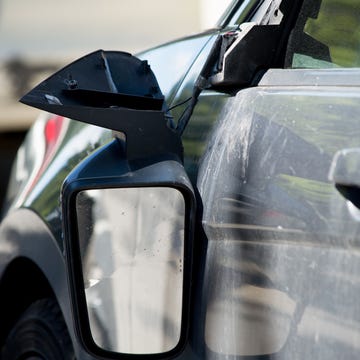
[{"x": 132, "y": 252}]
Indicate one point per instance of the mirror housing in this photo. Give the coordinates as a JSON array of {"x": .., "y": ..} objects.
[
  {"x": 106, "y": 171},
  {"x": 114, "y": 90}
]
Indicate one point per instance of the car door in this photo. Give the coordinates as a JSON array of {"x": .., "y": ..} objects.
[{"x": 277, "y": 169}]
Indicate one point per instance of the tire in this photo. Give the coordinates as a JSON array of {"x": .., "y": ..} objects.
[{"x": 39, "y": 334}]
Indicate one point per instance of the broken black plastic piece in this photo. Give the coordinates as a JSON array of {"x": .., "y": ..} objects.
[
  {"x": 114, "y": 90},
  {"x": 241, "y": 57}
]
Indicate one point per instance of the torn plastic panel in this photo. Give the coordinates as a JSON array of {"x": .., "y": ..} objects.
[
  {"x": 114, "y": 90},
  {"x": 241, "y": 57}
]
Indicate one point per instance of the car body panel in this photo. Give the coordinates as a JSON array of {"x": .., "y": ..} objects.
[
  {"x": 282, "y": 242},
  {"x": 42, "y": 195},
  {"x": 24, "y": 235}
]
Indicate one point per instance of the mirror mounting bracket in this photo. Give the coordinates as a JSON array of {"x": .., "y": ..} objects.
[{"x": 241, "y": 57}]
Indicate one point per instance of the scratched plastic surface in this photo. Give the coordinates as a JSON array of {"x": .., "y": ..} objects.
[{"x": 283, "y": 262}]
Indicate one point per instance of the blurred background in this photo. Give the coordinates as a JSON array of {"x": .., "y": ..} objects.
[{"x": 38, "y": 37}]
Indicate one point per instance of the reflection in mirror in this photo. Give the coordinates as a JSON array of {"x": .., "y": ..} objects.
[{"x": 132, "y": 251}]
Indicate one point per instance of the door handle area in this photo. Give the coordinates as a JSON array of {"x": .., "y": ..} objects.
[{"x": 345, "y": 174}]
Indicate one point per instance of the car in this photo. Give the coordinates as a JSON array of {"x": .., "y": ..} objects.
[{"x": 200, "y": 200}]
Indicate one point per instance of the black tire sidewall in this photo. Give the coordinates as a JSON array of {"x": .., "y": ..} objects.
[{"x": 39, "y": 333}]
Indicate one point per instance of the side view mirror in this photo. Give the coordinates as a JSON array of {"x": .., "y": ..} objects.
[
  {"x": 234, "y": 62},
  {"x": 128, "y": 242},
  {"x": 128, "y": 210}
]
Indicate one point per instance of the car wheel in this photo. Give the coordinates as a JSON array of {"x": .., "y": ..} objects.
[{"x": 39, "y": 333}]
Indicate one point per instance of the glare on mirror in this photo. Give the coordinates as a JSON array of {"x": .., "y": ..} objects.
[{"x": 132, "y": 252}]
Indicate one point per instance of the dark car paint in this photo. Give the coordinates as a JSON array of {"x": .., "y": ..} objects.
[{"x": 23, "y": 234}]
